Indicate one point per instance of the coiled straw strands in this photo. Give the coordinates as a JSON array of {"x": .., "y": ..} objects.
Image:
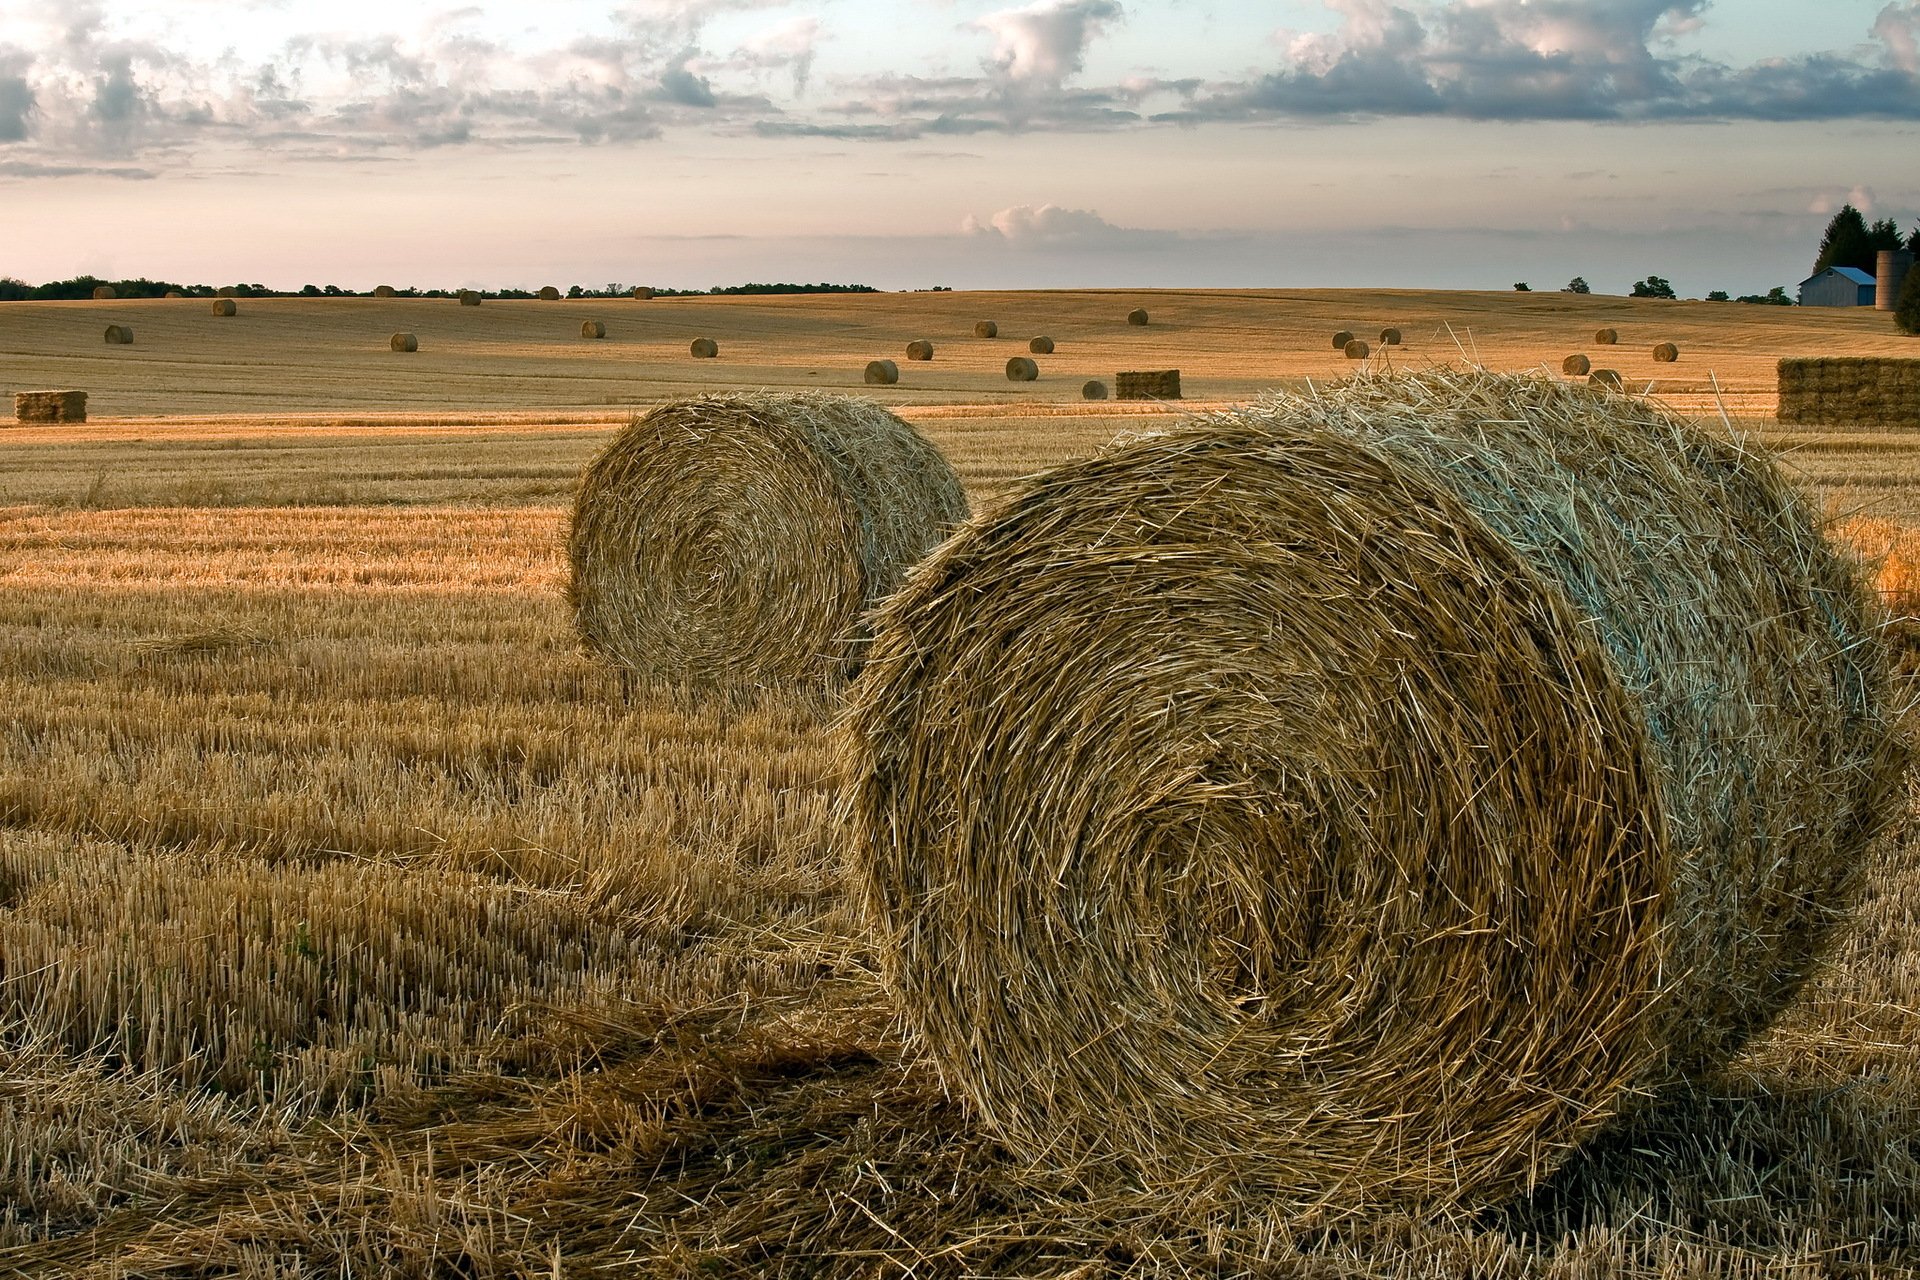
[
  {"x": 403, "y": 342},
  {"x": 1481, "y": 752},
  {"x": 1606, "y": 337},
  {"x": 738, "y": 541},
  {"x": 1666, "y": 353},
  {"x": 225, "y": 307},
  {"x": 119, "y": 335},
  {"x": 1356, "y": 349},
  {"x": 986, "y": 329},
  {"x": 703, "y": 348},
  {"x": 920, "y": 349},
  {"x": 1041, "y": 346},
  {"x": 593, "y": 328}
]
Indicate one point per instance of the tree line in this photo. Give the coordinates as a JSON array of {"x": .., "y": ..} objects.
[{"x": 82, "y": 287}]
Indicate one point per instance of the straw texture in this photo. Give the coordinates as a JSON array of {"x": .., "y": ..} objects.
[
  {"x": 1606, "y": 337},
  {"x": 1839, "y": 391},
  {"x": 593, "y": 328},
  {"x": 225, "y": 307},
  {"x": 119, "y": 335},
  {"x": 404, "y": 342},
  {"x": 1147, "y": 384},
  {"x": 1665, "y": 353},
  {"x": 1357, "y": 349},
  {"x": 1605, "y": 380},
  {"x": 50, "y": 406},
  {"x": 468, "y": 298},
  {"x": 737, "y": 541},
  {"x": 1576, "y": 366},
  {"x": 1041, "y": 346},
  {"x": 986, "y": 329},
  {"x": 1022, "y": 369},
  {"x": 1356, "y": 800},
  {"x": 881, "y": 373},
  {"x": 920, "y": 349},
  {"x": 703, "y": 348}
]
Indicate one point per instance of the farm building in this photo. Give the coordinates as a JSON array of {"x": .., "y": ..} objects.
[{"x": 1837, "y": 287}]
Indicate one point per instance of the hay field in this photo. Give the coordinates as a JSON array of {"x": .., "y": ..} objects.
[{"x": 351, "y": 922}]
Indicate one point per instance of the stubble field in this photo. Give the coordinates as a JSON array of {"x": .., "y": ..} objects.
[{"x": 353, "y": 923}]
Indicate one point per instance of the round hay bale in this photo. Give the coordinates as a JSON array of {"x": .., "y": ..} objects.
[
  {"x": 1576, "y": 366},
  {"x": 119, "y": 335},
  {"x": 385, "y": 291},
  {"x": 739, "y": 541},
  {"x": 1022, "y": 369},
  {"x": 1220, "y": 842},
  {"x": 549, "y": 294},
  {"x": 643, "y": 292},
  {"x": 704, "y": 348},
  {"x": 225, "y": 307},
  {"x": 920, "y": 349},
  {"x": 1606, "y": 337},
  {"x": 1605, "y": 379},
  {"x": 1040, "y": 346},
  {"x": 881, "y": 373},
  {"x": 593, "y": 329},
  {"x": 105, "y": 293},
  {"x": 1137, "y": 317},
  {"x": 173, "y": 293},
  {"x": 403, "y": 342},
  {"x": 1356, "y": 350},
  {"x": 1341, "y": 339},
  {"x": 1665, "y": 353},
  {"x": 1389, "y": 337},
  {"x": 986, "y": 329},
  {"x": 1093, "y": 389},
  {"x": 469, "y": 298},
  {"x": 227, "y": 291}
]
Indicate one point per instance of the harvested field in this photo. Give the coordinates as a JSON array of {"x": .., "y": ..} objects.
[{"x": 294, "y": 701}]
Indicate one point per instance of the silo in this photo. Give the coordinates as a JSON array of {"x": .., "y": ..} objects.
[{"x": 1889, "y": 273}]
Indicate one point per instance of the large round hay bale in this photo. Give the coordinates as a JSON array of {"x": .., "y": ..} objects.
[
  {"x": 385, "y": 291},
  {"x": 593, "y": 329},
  {"x": 1138, "y": 317},
  {"x": 704, "y": 348},
  {"x": 986, "y": 329},
  {"x": 881, "y": 373},
  {"x": 1606, "y": 337},
  {"x": 1093, "y": 389},
  {"x": 1022, "y": 369},
  {"x": 1390, "y": 337},
  {"x": 225, "y": 307},
  {"x": 549, "y": 294},
  {"x": 1576, "y": 366},
  {"x": 403, "y": 342},
  {"x": 119, "y": 335},
  {"x": 105, "y": 293},
  {"x": 1605, "y": 380},
  {"x": 1042, "y": 346},
  {"x": 740, "y": 540},
  {"x": 1341, "y": 338},
  {"x": 469, "y": 298},
  {"x": 1666, "y": 353},
  {"x": 1481, "y": 755},
  {"x": 920, "y": 349},
  {"x": 1356, "y": 349}
]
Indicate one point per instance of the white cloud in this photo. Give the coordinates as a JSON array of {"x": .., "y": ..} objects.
[
  {"x": 1045, "y": 43},
  {"x": 1049, "y": 226},
  {"x": 1898, "y": 27}
]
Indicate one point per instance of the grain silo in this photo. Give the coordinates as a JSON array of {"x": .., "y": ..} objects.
[{"x": 1889, "y": 274}]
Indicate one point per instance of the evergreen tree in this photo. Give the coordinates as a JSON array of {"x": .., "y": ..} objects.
[
  {"x": 1906, "y": 312},
  {"x": 1913, "y": 240},
  {"x": 1847, "y": 243},
  {"x": 1885, "y": 234}
]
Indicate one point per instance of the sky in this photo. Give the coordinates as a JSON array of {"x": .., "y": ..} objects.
[{"x": 914, "y": 143}]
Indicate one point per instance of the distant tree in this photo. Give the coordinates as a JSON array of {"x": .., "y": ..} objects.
[
  {"x": 311, "y": 291},
  {"x": 575, "y": 291},
  {"x": 1906, "y": 312},
  {"x": 1718, "y": 295},
  {"x": 1913, "y": 240},
  {"x": 1521, "y": 286},
  {"x": 1774, "y": 297},
  {"x": 1577, "y": 285},
  {"x": 1847, "y": 243},
  {"x": 1884, "y": 234},
  {"x": 1652, "y": 287}
]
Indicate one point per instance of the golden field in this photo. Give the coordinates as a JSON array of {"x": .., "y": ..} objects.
[{"x": 353, "y": 923}]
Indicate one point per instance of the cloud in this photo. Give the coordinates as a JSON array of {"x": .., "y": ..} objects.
[
  {"x": 16, "y": 95},
  {"x": 1043, "y": 44},
  {"x": 1051, "y": 227},
  {"x": 1898, "y": 28}
]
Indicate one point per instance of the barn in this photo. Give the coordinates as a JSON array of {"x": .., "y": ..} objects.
[{"x": 1837, "y": 287}]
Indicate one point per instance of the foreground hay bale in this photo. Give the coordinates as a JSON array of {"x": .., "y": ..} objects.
[
  {"x": 1137, "y": 317},
  {"x": 403, "y": 342},
  {"x": 738, "y": 541},
  {"x": 1220, "y": 842},
  {"x": 1666, "y": 353},
  {"x": 704, "y": 349},
  {"x": 1041, "y": 346},
  {"x": 1606, "y": 337},
  {"x": 920, "y": 349},
  {"x": 1093, "y": 389},
  {"x": 1850, "y": 391},
  {"x": 881, "y": 373},
  {"x": 105, "y": 293},
  {"x": 986, "y": 329},
  {"x": 119, "y": 335},
  {"x": 50, "y": 406},
  {"x": 1576, "y": 366},
  {"x": 1356, "y": 350},
  {"x": 1022, "y": 369},
  {"x": 593, "y": 329},
  {"x": 1147, "y": 384},
  {"x": 469, "y": 298},
  {"x": 549, "y": 294},
  {"x": 225, "y": 307},
  {"x": 1389, "y": 337}
]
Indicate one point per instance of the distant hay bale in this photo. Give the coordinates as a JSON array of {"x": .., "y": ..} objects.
[
  {"x": 225, "y": 307},
  {"x": 1093, "y": 389},
  {"x": 1137, "y": 317},
  {"x": 1218, "y": 842},
  {"x": 1022, "y": 369},
  {"x": 1356, "y": 350},
  {"x": 1341, "y": 339},
  {"x": 105, "y": 293},
  {"x": 1606, "y": 337},
  {"x": 642, "y": 292},
  {"x": 1666, "y": 353},
  {"x": 593, "y": 329},
  {"x": 1850, "y": 391},
  {"x": 1576, "y": 366},
  {"x": 385, "y": 291},
  {"x": 986, "y": 329},
  {"x": 738, "y": 541},
  {"x": 119, "y": 335},
  {"x": 403, "y": 342},
  {"x": 173, "y": 293},
  {"x": 1389, "y": 337},
  {"x": 1040, "y": 346},
  {"x": 549, "y": 294},
  {"x": 1605, "y": 379},
  {"x": 227, "y": 291},
  {"x": 1147, "y": 384},
  {"x": 50, "y": 406},
  {"x": 920, "y": 349},
  {"x": 704, "y": 348},
  {"x": 469, "y": 298},
  {"x": 881, "y": 373}
]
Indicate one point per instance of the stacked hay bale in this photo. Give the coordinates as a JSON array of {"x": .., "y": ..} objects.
[
  {"x": 704, "y": 349},
  {"x": 119, "y": 335},
  {"x": 881, "y": 373},
  {"x": 1174, "y": 901},
  {"x": 1147, "y": 384},
  {"x": 739, "y": 541},
  {"x": 1843, "y": 391},
  {"x": 50, "y": 406},
  {"x": 403, "y": 342},
  {"x": 1137, "y": 317},
  {"x": 1022, "y": 369},
  {"x": 920, "y": 349},
  {"x": 593, "y": 329},
  {"x": 1042, "y": 346},
  {"x": 986, "y": 329},
  {"x": 225, "y": 307}
]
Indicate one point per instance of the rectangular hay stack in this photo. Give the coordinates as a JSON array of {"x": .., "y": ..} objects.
[
  {"x": 1850, "y": 391},
  {"x": 1150, "y": 384},
  {"x": 50, "y": 406}
]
